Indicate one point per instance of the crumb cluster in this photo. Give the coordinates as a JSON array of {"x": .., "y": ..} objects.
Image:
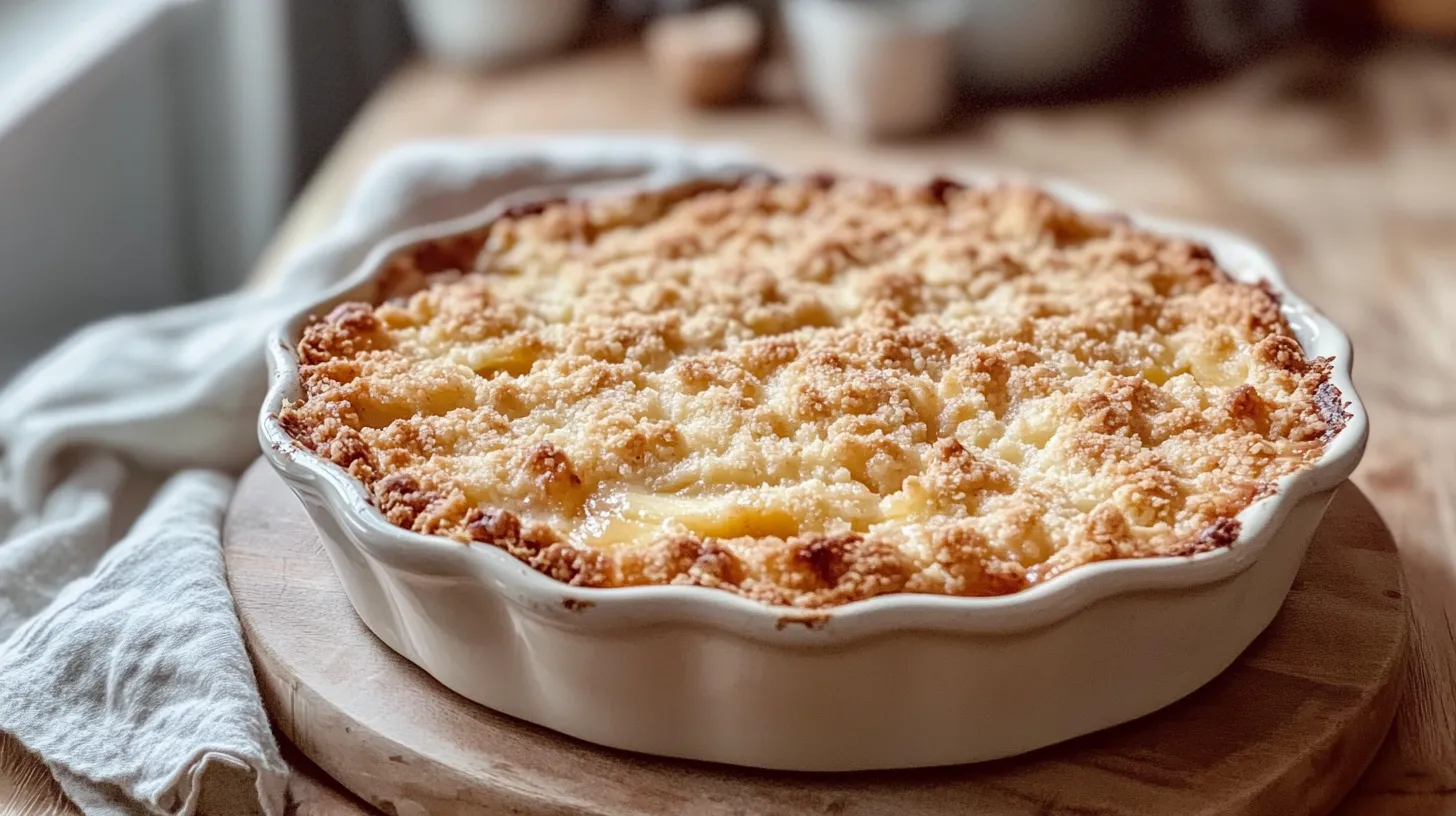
[{"x": 811, "y": 391}]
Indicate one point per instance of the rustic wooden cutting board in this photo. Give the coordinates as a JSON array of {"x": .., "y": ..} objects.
[{"x": 1287, "y": 730}]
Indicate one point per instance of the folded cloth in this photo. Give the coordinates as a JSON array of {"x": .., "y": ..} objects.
[{"x": 122, "y": 663}]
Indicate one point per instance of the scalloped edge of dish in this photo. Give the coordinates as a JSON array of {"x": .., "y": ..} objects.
[{"x": 600, "y": 609}]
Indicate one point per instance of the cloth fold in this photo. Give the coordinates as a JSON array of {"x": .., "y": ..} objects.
[{"x": 122, "y": 662}]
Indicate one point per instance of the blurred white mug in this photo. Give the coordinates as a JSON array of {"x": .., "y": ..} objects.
[
  {"x": 487, "y": 33},
  {"x": 876, "y": 69}
]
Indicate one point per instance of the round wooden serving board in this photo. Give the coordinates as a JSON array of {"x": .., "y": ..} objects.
[{"x": 1287, "y": 730}]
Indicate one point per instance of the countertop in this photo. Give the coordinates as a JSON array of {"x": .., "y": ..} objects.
[{"x": 1344, "y": 170}]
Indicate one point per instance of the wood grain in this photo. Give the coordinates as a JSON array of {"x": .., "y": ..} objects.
[
  {"x": 1345, "y": 169},
  {"x": 1287, "y": 730}
]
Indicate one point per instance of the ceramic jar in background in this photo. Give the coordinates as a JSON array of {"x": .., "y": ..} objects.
[
  {"x": 1025, "y": 47},
  {"x": 478, "y": 34},
  {"x": 1031, "y": 48},
  {"x": 874, "y": 70}
]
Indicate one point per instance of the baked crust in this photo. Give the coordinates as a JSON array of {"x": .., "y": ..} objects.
[{"x": 812, "y": 391}]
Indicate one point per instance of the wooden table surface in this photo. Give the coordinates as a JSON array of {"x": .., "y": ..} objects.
[{"x": 1344, "y": 169}]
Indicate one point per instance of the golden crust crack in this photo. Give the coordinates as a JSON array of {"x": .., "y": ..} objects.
[{"x": 812, "y": 391}]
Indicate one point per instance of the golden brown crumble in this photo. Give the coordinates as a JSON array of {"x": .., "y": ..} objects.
[{"x": 814, "y": 391}]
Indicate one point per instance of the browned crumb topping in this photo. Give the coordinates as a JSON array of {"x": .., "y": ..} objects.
[{"x": 810, "y": 392}]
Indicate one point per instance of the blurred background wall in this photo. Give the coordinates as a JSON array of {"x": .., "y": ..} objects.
[{"x": 148, "y": 148}]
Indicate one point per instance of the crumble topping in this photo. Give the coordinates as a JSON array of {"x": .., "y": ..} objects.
[{"x": 813, "y": 391}]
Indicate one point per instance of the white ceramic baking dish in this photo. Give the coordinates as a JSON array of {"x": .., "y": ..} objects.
[{"x": 890, "y": 682}]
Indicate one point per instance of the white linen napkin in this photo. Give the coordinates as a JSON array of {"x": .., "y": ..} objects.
[{"x": 121, "y": 659}]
